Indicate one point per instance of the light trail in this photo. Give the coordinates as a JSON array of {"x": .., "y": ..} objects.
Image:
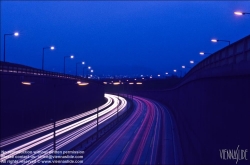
[
  {"x": 78, "y": 127},
  {"x": 141, "y": 139},
  {"x": 47, "y": 127},
  {"x": 74, "y": 135}
]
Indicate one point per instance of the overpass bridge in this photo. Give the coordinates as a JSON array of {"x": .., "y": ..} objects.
[{"x": 210, "y": 106}]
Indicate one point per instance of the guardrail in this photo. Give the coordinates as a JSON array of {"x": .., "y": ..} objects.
[
  {"x": 104, "y": 131},
  {"x": 235, "y": 53},
  {"x": 21, "y": 69}
]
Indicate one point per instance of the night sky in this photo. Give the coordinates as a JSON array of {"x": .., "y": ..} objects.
[{"x": 119, "y": 37}]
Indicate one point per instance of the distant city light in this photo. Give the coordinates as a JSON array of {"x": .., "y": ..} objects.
[
  {"x": 105, "y": 83},
  {"x": 183, "y": 66},
  {"x": 175, "y": 70},
  {"x": 71, "y": 56},
  {"x": 159, "y": 75},
  {"x": 131, "y": 83},
  {"x": 135, "y": 79},
  {"x": 214, "y": 40},
  {"x": 92, "y": 71},
  {"x": 83, "y": 63},
  {"x": 89, "y": 67},
  {"x": 116, "y": 83},
  {"x": 142, "y": 78},
  {"x": 52, "y": 47},
  {"x": 141, "y": 75},
  {"x": 166, "y": 72},
  {"x": 191, "y": 62},
  {"x": 16, "y": 34},
  {"x": 78, "y": 82},
  {"x": 139, "y": 83}
]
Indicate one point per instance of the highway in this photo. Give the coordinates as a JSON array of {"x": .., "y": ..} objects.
[
  {"x": 67, "y": 131},
  {"x": 146, "y": 137}
]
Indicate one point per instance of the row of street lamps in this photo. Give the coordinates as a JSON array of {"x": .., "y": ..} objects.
[
  {"x": 212, "y": 40},
  {"x": 239, "y": 13},
  {"x": 49, "y": 47}
]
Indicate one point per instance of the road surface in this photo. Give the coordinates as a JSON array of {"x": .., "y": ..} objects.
[{"x": 148, "y": 136}]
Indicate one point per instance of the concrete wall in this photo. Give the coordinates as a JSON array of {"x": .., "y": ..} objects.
[
  {"x": 27, "y": 106},
  {"x": 211, "y": 105},
  {"x": 211, "y": 114}
]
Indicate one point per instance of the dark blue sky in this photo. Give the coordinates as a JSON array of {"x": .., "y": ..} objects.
[{"x": 119, "y": 37}]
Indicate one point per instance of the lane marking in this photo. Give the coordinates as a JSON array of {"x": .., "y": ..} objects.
[
  {"x": 136, "y": 129},
  {"x": 125, "y": 146},
  {"x": 151, "y": 143}
]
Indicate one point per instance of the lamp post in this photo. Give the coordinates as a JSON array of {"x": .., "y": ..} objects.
[
  {"x": 83, "y": 70},
  {"x": 215, "y": 40},
  {"x": 77, "y": 64},
  {"x": 51, "y": 48},
  {"x": 91, "y": 72},
  {"x": 240, "y": 13},
  {"x": 97, "y": 120},
  {"x": 15, "y": 34},
  {"x": 203, "y": 53},
  {"x": 174, "y": 70},
  {"x": 117, "y": 83},
  {"x": 183, "y": 67},
  {"x": 64, "y": 61}
]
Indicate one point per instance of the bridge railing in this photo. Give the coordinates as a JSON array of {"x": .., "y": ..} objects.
[
  {"x": 238, "y": 52},
  {"x": 20, "y": 69}
]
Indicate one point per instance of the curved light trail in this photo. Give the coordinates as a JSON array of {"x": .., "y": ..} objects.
[
  {"x": 47, "y": 127},
  {"x": 146, "y": 137},
  {"x": 73, "y": 128}
]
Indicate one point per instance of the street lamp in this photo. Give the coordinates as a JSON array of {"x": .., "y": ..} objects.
[
  {"x": 64, "y": 61},
  {"x": 215, "y": 40},
  {"x": 51, "y": 48},
  {"x": 79, "y": 63},
  {"x": 15, "y": 34},
  {"x": 240, "y": 13},
  {"x": 83, "y": 71},
  {"x": 191, "y": 61},
  {"x": 203, "y": 53}
]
